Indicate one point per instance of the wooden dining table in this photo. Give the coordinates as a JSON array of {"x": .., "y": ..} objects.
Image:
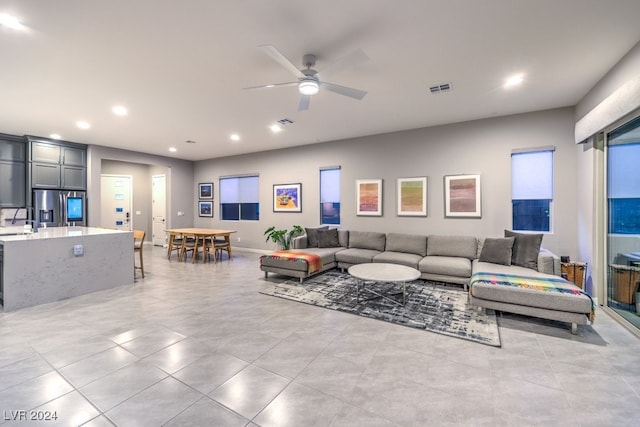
[{"x": 200, "y": 234}]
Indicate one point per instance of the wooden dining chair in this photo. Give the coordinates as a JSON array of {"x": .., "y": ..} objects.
[
  {"x": 221, "y": 245},
  {"x": 175, "y": 244},
  {"x": 189, "y": 244},
  {"x": 138, "y": 244}
]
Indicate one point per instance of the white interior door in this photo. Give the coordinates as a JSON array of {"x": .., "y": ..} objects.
[
  {"x": 159, "y": 209},
  {"x": 115, "y": 200}
]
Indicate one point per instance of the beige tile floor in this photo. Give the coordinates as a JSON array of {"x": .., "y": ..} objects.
[{"x": 195, "y": 344}]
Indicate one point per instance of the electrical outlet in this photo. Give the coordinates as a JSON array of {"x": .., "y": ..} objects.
[{"x": 238, "y": 239}]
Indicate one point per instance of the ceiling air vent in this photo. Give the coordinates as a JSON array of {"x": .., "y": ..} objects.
[
  {"x": 441, "y": 88},
  {"x": 285, "y": 122}
]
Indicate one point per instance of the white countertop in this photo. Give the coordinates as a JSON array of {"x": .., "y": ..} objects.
[{"x": 54, "y": 233}]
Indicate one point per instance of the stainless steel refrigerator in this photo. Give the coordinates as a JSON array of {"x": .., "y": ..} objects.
[{"x": 59, "y": 208}]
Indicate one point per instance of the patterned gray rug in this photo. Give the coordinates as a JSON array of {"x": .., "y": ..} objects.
[{"x": 429, "y": 306}]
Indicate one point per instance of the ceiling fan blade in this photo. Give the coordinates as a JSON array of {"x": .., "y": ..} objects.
[
  {"x": 304, "y": 102},
  {"x": 271, "y": 85},
  {"x": 343, "y": 90},
  {"x": 280, "y": 58},
  {"x": 349, "y": 60}
]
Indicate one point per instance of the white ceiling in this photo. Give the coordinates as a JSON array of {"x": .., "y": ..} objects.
[{"x": 180, "y": 66}]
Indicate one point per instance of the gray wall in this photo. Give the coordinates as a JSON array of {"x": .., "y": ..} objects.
[
  {"x": 179, "y": 174},
  {"x": 478, "y": 147}
]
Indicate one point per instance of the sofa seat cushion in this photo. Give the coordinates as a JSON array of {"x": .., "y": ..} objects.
[
  {"x": 410, "y": 260},
  {"x": 525, "y": 296},
  {"x": 356, "y": 256},
  {"x": 452, "y": 246},
  {"x": 446, "y": 266}
]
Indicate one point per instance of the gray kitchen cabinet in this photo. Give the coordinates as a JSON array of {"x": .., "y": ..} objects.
[
  {"x": 73, "y": 178},
  {"x": 12, "y": 184},
  {"x": 74, "y": 156},
  {"x": 45, "y": 153},
  {"x": 57, "y": 164},
  {"x": 12, "y": 150},
  {"x": 13, "y": 177},
  {"x": 45, "y": 175}
]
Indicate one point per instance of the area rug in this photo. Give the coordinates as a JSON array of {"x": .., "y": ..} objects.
[{"x": 430, "y": 306}]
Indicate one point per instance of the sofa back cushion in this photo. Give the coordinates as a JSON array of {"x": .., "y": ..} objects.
[
  {"x": 343, "y": 238},
  {"x": 525, "y": 249},
  {"x": 497, "y": 251},
  {"x": 328, "y": 238},
  {"x": 460, "y": 246},
  {"x": 312, "y": 236},
  {"x": 367, "y": 240},
  {"x": 407, "y": 243}
]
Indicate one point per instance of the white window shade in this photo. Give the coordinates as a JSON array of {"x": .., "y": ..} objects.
[
  {"x": 249, "y": 189},
  {"x": 229, "y": 190},
  {"x": 243, "y": 189},
  {"x": 532, "y": 175},
  {"x": 330, "y": 186},
  {"x": 624, "y": 179}
]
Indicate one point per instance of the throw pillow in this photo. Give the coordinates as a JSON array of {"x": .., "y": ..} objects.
[
  {"x": 497, "y": 251},
  {"x": 525, "y": 249},
  {"x": 312, "y": 236},
  {"x": 328, "y": 238}
]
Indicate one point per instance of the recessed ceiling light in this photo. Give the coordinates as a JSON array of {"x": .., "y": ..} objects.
[
  {"x": 11, "y": 22},
  {"x": 119, "y": 110},
  {"x": 55, "y": 136},
  {"x": 275, "y": 128},
  {"x": 235, "y": 137},
  {"x": 173, "y": 149},
  {"x": 82, "y": 124},
  {"x": 514, "y": 80}
]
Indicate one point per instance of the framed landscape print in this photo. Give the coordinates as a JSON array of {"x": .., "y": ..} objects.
[
  {"x": 205, "y": 209},
  {"x": 205, "y": 191},
  {"x": 462, "y": 196},
  {"x": 369, "y": 197},
  {"x": 412, "y": 196},
  {"x": 287, "y": 198}
]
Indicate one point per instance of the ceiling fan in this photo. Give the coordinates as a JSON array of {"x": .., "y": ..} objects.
[{"x": 309, "y": 81}]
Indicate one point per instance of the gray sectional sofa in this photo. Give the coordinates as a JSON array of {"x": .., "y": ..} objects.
[{"x": 450, "y": 259}]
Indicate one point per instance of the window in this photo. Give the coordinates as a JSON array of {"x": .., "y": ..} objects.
[
  {"x": 532, "y": 190},
  {"x": 330, "y": 195},
  {"x": 623, "y": 180},
  {"x": 239, "y": 198}
]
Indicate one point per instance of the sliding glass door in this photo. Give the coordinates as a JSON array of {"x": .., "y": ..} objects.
[{"x": 623, "y": 225}]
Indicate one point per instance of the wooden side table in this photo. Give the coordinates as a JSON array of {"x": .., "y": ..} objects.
[{"x": 575, "y": 272}]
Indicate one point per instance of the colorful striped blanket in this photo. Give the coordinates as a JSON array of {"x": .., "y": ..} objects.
[
  {"x": 314, "y": 263},
  {"x": 550, "y": 284}
]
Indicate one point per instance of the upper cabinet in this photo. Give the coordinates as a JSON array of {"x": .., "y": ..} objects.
[
  {"x": 12, "y": 171},
  {"x": 57, "y": 164}
]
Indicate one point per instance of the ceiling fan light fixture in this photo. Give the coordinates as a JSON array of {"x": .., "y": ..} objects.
[{"x": 308, "y": 87}]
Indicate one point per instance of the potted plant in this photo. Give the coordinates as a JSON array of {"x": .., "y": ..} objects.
[{"x": 283, "y": 237}]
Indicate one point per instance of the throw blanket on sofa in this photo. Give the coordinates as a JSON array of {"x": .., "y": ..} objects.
[
  {"x": 538, "y": 283},
  {"x": 313, "y": 261}
]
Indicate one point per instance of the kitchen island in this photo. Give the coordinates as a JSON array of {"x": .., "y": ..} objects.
[{"x": 63, "y": 262}]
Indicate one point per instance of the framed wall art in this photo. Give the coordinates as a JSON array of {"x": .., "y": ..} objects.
[
  {"x": 412, "y": 196},
  {"x": 369, "y": 197},
  {"x": 205, "y": 191},
  {"x": 287, "y": 197},
  {"x": 462, "y": 196},
  {"x": 205, "y": 209}
]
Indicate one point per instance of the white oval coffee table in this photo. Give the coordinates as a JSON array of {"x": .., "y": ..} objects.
[{"x": 383, "y": 272}]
